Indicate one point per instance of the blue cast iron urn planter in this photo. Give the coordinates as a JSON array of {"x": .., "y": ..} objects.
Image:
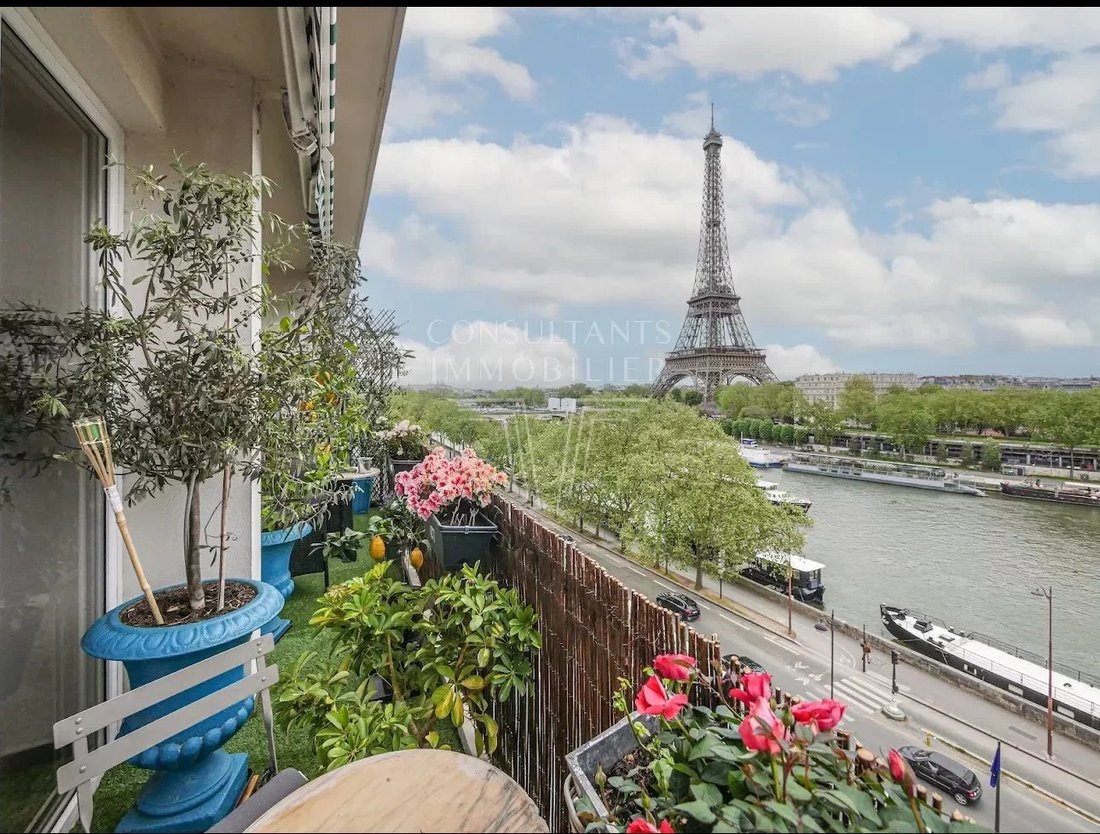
[
  {"x": 275, "y": 550},
  {"x": 196, "y": 783}
]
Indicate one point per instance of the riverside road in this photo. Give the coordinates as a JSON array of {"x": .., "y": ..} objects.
[{"x": 1035, "y": 796}]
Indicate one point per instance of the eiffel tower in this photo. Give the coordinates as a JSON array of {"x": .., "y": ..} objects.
[{"x": 714, "y": 345}]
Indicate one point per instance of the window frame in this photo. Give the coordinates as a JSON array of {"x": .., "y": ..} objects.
[{"x": 34, "y": 36}]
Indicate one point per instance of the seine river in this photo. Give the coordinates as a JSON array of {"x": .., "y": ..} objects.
[{"x": 971, "y": 562}]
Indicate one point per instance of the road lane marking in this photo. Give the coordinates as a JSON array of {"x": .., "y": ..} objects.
[
  {"x": 735, "y": 622},
  {"x": 639, "y": 572},
  {"x": 663, "y": 585},
  {"x": 775, "y": 641}
]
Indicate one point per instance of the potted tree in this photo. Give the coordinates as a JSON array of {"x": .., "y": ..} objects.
[
  {"x": 314, "y": 409},
  {"x": 174, "y": 378},
  {"x": 450, "y": 494}
]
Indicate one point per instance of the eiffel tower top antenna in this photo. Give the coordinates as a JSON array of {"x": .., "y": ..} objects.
[{"x": 712, "y": 115}]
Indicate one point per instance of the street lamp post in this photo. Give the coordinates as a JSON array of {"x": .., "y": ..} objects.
[
  {"x": 1048, "y": 592},
  {"x": 790, "y": 629}
]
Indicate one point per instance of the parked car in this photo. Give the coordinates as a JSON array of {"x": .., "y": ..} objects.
[
  {"x": 944, "y": 773},
  {"x": 682, "y": 604},
  {"x": 746, "y": 663},
  {"x": 567, "y": 538}
]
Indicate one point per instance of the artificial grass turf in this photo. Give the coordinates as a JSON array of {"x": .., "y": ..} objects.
[{"x": 120, "y": 785}]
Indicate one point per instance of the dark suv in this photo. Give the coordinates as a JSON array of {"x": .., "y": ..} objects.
[
  {"x": 945, "y": 773},
  {"x": 682, "y": 604}
]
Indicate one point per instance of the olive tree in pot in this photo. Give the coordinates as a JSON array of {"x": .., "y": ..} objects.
[{"x": 174, "y": 376}]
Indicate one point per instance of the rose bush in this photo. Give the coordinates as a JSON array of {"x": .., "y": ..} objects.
[
  {"x": 451, "y": 488},
  {"x": 750, "y": 764}
]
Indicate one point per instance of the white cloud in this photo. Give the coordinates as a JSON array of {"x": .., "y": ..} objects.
[
  {"x": 463, "y": 60},
  {"x": 451, "y": 50},
  {"x": 792, "y": 362},
  {"x": 484, "y": 354},
  {"x": 608, "y": 215},
  {"x": 815, "y": 44},
  {"x": 1043, "y": 330},
  {"x": 414, "y": 106},
  {"x": 794, "y": 109},
  {"x": 1063, "y": 101},
  {"x": 694, "y": 118},
  {"x": 990, "y": 77},
  {"x": 464, "y": 24}
]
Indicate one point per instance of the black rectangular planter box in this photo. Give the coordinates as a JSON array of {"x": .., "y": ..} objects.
[
  {"x": 453, "y": 546},
  {"x": 402, "y": 465},
  {"x": 304, "y": 559}
]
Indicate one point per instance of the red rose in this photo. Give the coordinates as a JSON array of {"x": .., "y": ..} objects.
[
  {"x": 675, "y": 667},
  {"x": 762, "y": 729},
  {"x": 653, "y": 699},
  {"x": 641, "y": 825},
  {"x": 897, "y": 766},
  {"x": 824, "y": 714},
  {"x": 754, "y": 686}
]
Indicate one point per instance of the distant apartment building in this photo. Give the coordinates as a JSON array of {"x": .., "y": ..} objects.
[
  {"x": 828, "y": 387},
  {"x": 990, "y": 382}
]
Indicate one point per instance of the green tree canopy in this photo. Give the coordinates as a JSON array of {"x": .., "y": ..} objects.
[{"x": 857, "y": 400}]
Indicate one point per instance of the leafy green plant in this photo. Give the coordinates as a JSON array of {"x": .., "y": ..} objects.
[
  {"x": 444, "y": 652},
  {"x": 344, "y": 545}
]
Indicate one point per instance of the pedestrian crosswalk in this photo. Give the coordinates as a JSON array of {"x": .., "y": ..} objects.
[{"x": 863, "y": 693}]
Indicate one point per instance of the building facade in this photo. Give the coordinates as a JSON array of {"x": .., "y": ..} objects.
[
  {"x": 991, "y": 382},
  {"x": 828, "y": 387},
  {"x": 244, "y": 90}
]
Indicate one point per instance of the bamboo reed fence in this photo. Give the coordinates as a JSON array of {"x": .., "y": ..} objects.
[{"x": 595, "y": 630}]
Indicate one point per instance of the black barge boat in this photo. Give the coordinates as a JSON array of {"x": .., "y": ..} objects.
[
  {"x": 1076, "y": 694},
  {"x": 1082, "y": 496},
  {"x": 771, "y": 569}
]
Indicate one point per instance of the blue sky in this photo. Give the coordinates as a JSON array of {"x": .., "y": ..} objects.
[{"x": 906, "y": 190}]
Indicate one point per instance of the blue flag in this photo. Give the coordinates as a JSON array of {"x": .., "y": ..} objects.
[{"x": 995, "y": 768}]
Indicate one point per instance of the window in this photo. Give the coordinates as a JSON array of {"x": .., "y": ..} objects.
[{"x": 52, "y": 186}]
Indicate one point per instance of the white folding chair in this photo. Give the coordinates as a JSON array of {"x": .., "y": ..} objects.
[{"x": 88, "y": 765}]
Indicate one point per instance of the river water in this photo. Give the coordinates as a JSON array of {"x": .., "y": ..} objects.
[{"x": 971, "y": 562}]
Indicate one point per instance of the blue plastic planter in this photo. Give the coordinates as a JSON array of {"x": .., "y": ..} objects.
[
  {"x": 275, "y": 550},
  {"x": 196, "y": 782},
  {"x": 364, "y": 486}
]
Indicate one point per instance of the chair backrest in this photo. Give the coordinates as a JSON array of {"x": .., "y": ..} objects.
[{"x": 76, "y": 729}]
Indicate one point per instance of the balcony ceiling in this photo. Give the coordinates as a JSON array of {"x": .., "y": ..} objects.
[{"x": 239, "y": 38}]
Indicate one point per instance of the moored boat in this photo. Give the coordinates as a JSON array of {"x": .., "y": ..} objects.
[
  {"x": 1076, "y": 694},
  {"x": 880, "y": 472},
  {"x": 1084, "y": 496},
  {"x": 756, "y": 457},
  {"x": 779, "y": 497},
  {"x": 805, "y": 574}
]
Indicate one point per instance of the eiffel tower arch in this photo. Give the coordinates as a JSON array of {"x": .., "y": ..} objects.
[{"x": 715, "y": 345}]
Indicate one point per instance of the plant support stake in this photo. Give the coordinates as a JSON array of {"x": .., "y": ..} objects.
[{"x": 96, "y": 443}]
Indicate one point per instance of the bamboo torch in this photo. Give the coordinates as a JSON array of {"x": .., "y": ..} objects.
[{"x": 96, "y": 443}]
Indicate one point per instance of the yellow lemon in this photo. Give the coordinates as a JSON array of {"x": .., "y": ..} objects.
[{"x": 377, "y": 549}]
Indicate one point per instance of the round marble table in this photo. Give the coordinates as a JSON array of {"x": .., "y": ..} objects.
[{"x": 410, "y": 790}]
